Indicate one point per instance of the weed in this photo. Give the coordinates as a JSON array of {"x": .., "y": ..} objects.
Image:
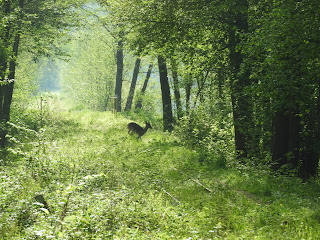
[{"x": 101, "y": 184}]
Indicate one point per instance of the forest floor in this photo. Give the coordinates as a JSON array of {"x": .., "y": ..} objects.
[{"x": 100, "y": 183}]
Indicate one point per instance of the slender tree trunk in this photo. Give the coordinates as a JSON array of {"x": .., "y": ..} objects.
[
  {"x": 6, "y": 89},
  {"x": 145, "y": 84},
  {"x": 220, "y": 83},
  {"x": 118, "y": 88},
  {"x": 4, "y": 60},
  {"x": 3, "y": 69},
  {"x": 3, "y": 131},
  {"x": 176, "y": 89},
  {"x": 241, "y": 101},
  {"x": 9, "y": 86},
  {"x": 188, "y": 86},
  {"x": 133, "y": 84},
  {"x": 318, "y": 114},
  {"x": 166, "y": 97},
  {"x": 6, "y": 40}
]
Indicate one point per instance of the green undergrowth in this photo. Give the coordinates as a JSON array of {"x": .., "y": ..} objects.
[{"x": 101, "y": 183}]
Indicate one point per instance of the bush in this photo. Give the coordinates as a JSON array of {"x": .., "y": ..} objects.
[{"x": 211, "y": 133}]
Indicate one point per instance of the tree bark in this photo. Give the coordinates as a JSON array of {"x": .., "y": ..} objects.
[
  {"x": 9, "y": 86},
  {"x": 166, "y": 97},
  {"x": 176, "y": 90},
  {"x": 118, "y": 88},
  {"x": 133, "y": 84},
  {"x": 308, "y": 158},
  {"x": 285, "y": 140},
  {"x": 6, "y": 88},
  {"x": 145, "y": 84},
  {"x": 188, "y": 86},
  {"x": 241, "y": 101},
  {"x": 5, "y": 40},
  {"x": 291, "y": 148}
]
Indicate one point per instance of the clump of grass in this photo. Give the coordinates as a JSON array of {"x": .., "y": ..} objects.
[{"x": 99, "y": 182}]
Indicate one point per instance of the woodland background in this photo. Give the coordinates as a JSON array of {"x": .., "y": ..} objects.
[
  {"x": 237, "y": 82},
  {"x": 249, "y": 66}
]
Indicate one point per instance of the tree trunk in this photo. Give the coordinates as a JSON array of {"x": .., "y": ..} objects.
[
  {"x": 310, "y": 166},
  {"x": 220, "y": 83},
  {"x": 133, "y": 84},
  {"x": 118, "y": 88},
  {"x": 139, "y": 102},
  {"x": 5, "y": 40},
  {"x": 188, "y": 86},
  {"x": 166, "y": 97},
  {"x": 4, "y": 59},
  {"x": 310, "y": 150},
  {"x": 293, "y": 149},
  {"x": 309, "y": 157},
  {"x": 285, "y": 140},
  {"x": 6, "y": 88},
  {"x": 9, "y": 86},
  {"x": 176, "y": 89},
  {"x": 241, "y": 101}
]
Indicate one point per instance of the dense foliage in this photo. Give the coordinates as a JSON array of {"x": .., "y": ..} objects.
[
  {"x": 96, "y": 181},
  {"x": 264, "y": 56},
  {"x": 33, "y": 27},
  {"x": 233, "y": 85}
]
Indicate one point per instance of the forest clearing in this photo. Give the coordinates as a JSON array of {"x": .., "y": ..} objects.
[
  {"x": 148, "y": 119},
  {"x": 101, "y": 183}
]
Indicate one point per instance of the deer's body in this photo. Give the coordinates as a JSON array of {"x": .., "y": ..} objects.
[{"x": 134, "y": 128}]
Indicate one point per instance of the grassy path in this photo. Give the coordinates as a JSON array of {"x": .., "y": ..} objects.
[{"x": 100, "y": 183}]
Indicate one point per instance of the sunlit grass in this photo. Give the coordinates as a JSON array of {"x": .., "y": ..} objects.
[{"x": 101, "y": 183}]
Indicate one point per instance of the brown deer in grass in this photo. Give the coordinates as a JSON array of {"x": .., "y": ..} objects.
[{"x": 134, "y": 128}]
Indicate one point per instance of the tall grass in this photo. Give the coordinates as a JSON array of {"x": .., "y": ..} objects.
[{"x": 101, "y": 183}]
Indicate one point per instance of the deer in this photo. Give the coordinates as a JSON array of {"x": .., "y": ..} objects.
[{"x": 134, "y": 128}]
